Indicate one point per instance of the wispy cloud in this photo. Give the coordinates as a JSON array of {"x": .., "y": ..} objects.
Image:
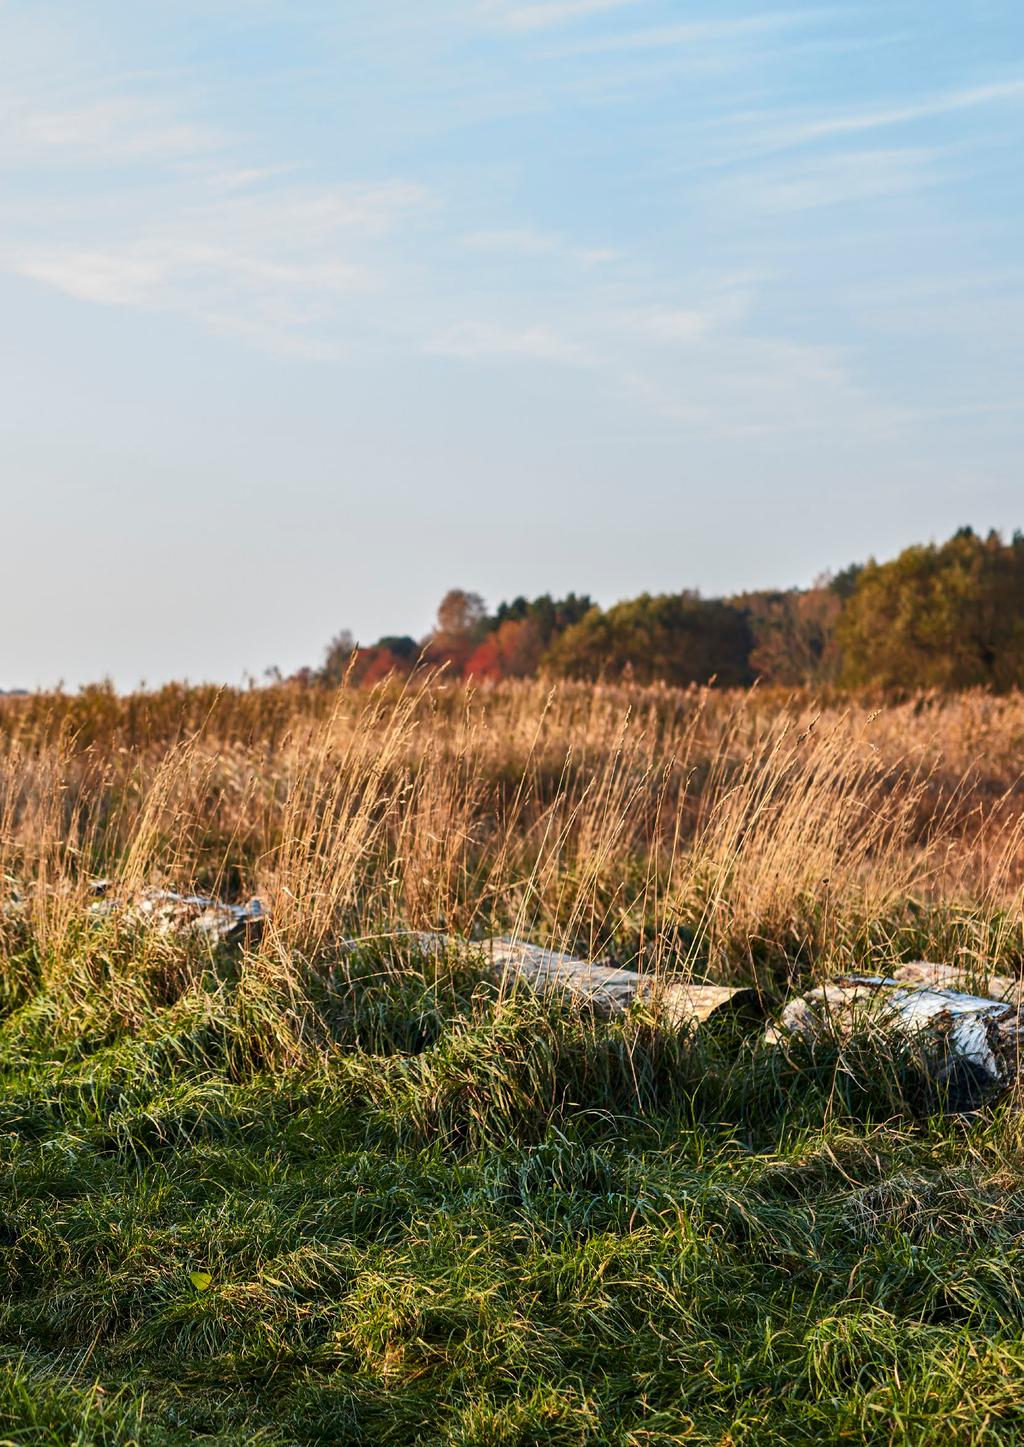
[
  {"x": 546, "y": 14},
  {"x": 113, "y": 131},
  {"x": 884, "y": 117},
  {"x": 271, "y": 263},
  {"x": 528, "y": 243},
  {"x": 700, "y": 367},
  {"x": 168, "y": 212},
  {"x": 113, "y": 278},
  {"x": 153, "y": 273},
  {"x": 662, "y": 37},
  {"x": 539, "y": 342},
  {"x": 832, "y": 180},
  {"x": 749, "y": 386},
  {"x": 687, "y": 325}
]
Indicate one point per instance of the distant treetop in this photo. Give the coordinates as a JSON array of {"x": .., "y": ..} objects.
[{"x": 947, "y": 615}]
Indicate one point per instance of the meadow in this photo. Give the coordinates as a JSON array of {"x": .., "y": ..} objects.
[{"x": 283, "y": 1189}]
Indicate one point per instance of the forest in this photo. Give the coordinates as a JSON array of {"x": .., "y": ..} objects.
[{"x": 943, "y": 616}]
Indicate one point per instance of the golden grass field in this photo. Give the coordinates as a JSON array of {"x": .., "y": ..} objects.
[{"x": 731, "y": 834}]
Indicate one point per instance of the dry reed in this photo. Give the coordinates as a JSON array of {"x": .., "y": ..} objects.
[{"x": 727, "y": 834}]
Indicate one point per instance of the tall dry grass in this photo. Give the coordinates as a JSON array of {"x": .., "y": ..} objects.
[{"x": 732, "y": 835}]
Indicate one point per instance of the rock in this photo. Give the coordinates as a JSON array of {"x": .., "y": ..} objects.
[
  {"x": 974, "y": 1040},
  {"x": 610, "y": 991},
  {"x": 954, "y": 977},
  {"x": 171, "y": 913}
]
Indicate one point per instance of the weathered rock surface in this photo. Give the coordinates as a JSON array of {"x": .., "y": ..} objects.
[
  {"x": 610, "y": 991},
  {"x": 926, "y": 973},
  {"x": 974, "y": 1040},
  {"x": 170, "y": 913}
]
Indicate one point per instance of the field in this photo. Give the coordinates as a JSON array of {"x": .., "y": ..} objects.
[{"x": 276, "y": 1190}]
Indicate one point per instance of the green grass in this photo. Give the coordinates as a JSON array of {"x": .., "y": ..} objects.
[{"x": 403, "y": 1212}]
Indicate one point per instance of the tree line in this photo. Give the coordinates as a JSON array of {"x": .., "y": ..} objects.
[{"x": 945, "y": 616}]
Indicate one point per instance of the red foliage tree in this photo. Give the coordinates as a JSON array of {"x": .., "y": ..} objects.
[
  {"x": 379, "y": 662},
  {"x": 512, "y": 651},
  {"x": 461, "y": 620}
]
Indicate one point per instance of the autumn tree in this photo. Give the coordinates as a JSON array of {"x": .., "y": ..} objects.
[
  {"x": 794, "y": 634},
  {"x": 460, "y": 626},
  {"x": 549, "y": 616},
  {"x": 344, "y": 660},
  {"x": 679, "y": 638},
  {"x": 947, "y": 616},
  {"x": 512, "y": 650},
  {"x": 338, "y": 658},
  {"x": 519, "y": 633},
  {"x": 378, "y": 662}
]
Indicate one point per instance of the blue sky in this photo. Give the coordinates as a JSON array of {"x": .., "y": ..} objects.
[{"x": 313, "y": 310}]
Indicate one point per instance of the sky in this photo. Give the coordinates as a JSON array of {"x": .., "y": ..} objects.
[{"x": 313, "y": 309}]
